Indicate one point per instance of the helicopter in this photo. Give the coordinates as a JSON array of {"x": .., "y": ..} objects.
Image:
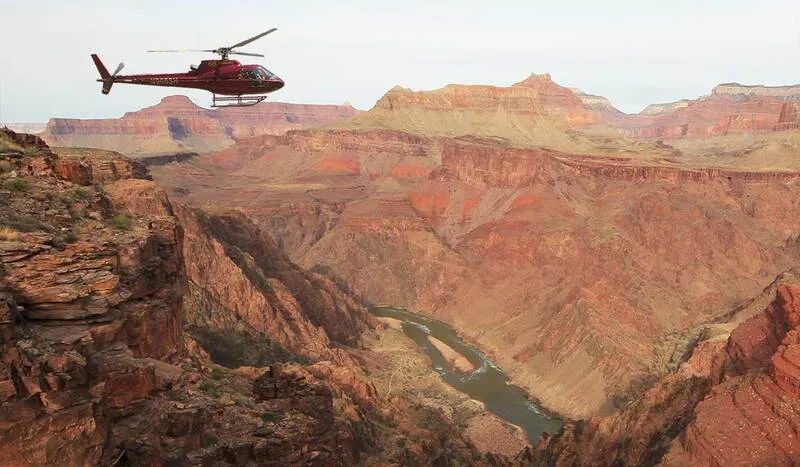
[{"x": 231, "y": 83}]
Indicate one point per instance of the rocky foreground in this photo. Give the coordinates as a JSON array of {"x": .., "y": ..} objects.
[{"x": 117, "y": 304}]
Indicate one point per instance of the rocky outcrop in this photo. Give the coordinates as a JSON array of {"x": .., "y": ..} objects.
[
  {"x": 560, "y": 102},
  {"x": 748, "y": 418},
  {"x": 731, "y": 403},
  {"x": 92, "y": 310},
  {"x": 520, "y": 114},
  {"x": 658, "y": 109},
  {"x": 177, "y": 125},
  {"x": 95, "y": 368},
  {"x": 242, "y": 271}
]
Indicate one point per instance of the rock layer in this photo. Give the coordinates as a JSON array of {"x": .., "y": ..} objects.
[
  {"x": 95, "y": 368},
  {"x": 178, "y": 125},
  {"x": 731, "y": 403}
]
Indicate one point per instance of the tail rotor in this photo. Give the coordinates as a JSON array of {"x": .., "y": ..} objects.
[{"x": 106, "y": 78}]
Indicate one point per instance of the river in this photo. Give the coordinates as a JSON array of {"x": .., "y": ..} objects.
[{"x": 488, "y": 383}]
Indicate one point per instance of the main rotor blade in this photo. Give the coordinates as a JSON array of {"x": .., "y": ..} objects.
[
  {"x": 245, "y": 53},
  {"x": 182, "y": 50},
  {"x": 119, "y": 68},
  {"x": 247, "y": 41}
]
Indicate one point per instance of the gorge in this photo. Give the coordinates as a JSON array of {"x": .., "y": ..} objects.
[{"x": 632, "y": 273}]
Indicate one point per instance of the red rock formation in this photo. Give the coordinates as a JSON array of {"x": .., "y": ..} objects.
[
  {"x": 750, "y": 417},
  {"x": 178, "y": 125},
  {"x": 731, "y": 403},
  {"x": 95, "y": 368},
  {"x": 730, "y": 109},
  {"x": 241, "y": 269},
  {"x": 560, "y": 102}
]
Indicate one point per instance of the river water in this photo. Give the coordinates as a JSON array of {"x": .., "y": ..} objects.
[{"x": 487, "y": 383}]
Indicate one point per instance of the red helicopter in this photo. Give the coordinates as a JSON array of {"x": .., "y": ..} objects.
[{"x": 231, "y": 83}]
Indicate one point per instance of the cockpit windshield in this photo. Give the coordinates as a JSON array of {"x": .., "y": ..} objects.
[
  {"x": 267, "y": 73},
  {"x": 258, "y": 74}
]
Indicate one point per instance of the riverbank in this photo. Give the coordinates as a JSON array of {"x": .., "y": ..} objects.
[
  {"x": 458, "y": 361},
  {"x": 406, "y": 371}
]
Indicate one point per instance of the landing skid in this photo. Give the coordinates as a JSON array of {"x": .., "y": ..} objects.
[{"x": 236, "y": 101}]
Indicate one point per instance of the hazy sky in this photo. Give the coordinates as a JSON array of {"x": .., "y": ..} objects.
[{"x": 633, "y": 52}]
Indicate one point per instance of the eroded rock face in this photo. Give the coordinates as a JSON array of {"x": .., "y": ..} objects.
[
  {"x": 87, "y": 309},
  {"x": 733, "y": 402},
  {"x": 95, "y": 368},
  {"x": 241, "y": 269},
  {"x": 517, "y": 246},
  {"x": 747, "y": 419},
  {"x": 790, "y": 117},
  {"x": 178, "y": 125}
]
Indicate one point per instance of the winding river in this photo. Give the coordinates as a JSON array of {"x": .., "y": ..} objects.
[{"x": 487, "y": 383}]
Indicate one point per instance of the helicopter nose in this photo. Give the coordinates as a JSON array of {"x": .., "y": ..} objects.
[{"x": 278, "y": 83}]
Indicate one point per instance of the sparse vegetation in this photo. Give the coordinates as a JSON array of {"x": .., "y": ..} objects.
[
  {"x": 273, "y": 417},
  {"x": 120, "y": 222},
  {"x": 216, "y": 374},
  {"x": 209, "y": 387},
  {"x": 9, "y": 234},
  {"x": 9, "y": 146},
  {"x": 17, "y": 184},
  {"x": 79, "y": 193},
  {"x": 25, "y": 223},
  {"x": 68, "y": 237}
]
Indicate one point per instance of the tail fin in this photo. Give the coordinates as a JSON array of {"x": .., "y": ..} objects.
[{"x": 107, "y": 79}]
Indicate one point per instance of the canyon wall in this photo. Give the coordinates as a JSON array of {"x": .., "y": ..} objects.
[
  {"x": 731, "y": 109},
  {"x": 733, "y": 402},
  {"x": 176, "y": 124},
  {"x": 98, "y": 280}
]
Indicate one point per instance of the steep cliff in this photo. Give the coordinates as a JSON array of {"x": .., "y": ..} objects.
[
  {"x": 178, "y": 125},
  {"x": 96, "y": 286},
  {"x": 790, "y": 117},
  {"x": 733, "y": 402}
]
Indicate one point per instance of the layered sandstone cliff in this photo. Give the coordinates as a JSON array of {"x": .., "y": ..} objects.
[
  {"x": 790, "y": 117},
  {"x": 731, "y": 109},
  {"x": 97, "y": 370},
  {"x": 176, "y": 124}
]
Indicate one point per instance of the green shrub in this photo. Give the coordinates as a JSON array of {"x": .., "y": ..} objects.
[
  {"x": 120, "y": 222},
  {"x": 79, "y": 193},
  {"x": 16, "y": 184},
  {"x": 68, "y": 237},
  {"x": 210, "y": 388}
]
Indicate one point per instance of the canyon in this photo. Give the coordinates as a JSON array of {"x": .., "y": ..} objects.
[
  {"x": 629, "y": 271},
  {"x": 137, "y": 331}
]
